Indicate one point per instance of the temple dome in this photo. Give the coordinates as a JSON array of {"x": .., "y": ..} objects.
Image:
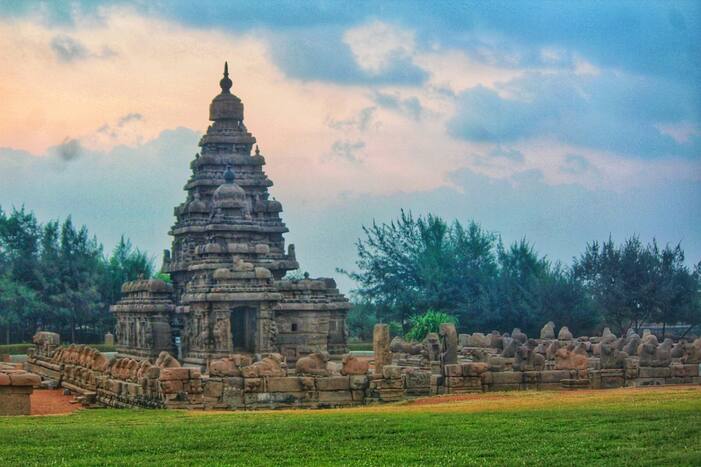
[
  {"x": 226, "y": 106},
  {"x": 229, "y": 194},
  {"x": 197, "y": 205}
]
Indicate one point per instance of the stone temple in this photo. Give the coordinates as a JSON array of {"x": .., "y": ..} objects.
[{"x": 228, "y": 263}]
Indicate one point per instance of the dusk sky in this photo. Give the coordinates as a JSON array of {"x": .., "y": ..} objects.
[{"x": 563, "y": 122}]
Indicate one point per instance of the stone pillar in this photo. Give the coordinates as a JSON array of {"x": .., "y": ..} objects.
[
  {"x": 109, "y": 339},
  {"x": 380, "y": 346},
  {"x": 449, "y": 344}
]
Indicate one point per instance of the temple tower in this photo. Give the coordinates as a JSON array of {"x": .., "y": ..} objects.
[{"x": 228, "y": 259}]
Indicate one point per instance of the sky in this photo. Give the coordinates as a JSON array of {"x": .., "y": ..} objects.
[{"x": 561, "y": 122}]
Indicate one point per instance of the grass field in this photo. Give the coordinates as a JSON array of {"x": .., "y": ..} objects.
[{"x": 615, "y": 427}]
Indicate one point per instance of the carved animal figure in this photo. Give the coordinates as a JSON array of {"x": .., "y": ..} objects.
[
  {"x": 510, "y": 348},
  {"x": 552, "y": 348},
  {"x": 548, "y": 331},
  {"x": 693, "y": 352},
  {"x": 647, "y": 353},
  {"x": 632, "y": 343},
  {"x": 399, "y": 345},
  {"x": 527, "y": 360},
  {"x": 612, "y": 357},
  {"x": 229, "y": 366},
  {"x": 570, "y": 360},
  {"x": 166, "y": 360},
  {"x": 565, "y": 334},
  {"x": 495, "y": 340},
  {"x": 679, "y": 349},
  {"x": 270, "y": 365},
  {"x": 517, "y": 335},
  {"x": 354, "y": 365},
  {"x": 313, "y": 364}
]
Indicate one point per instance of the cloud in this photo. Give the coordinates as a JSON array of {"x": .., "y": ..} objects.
[
  {"x": 67, "y": 50},
  {"x": 322, "y": 55},
  {"x": 410, "y": 106},
  {"x": 69, "y": 150},
  {"x": 575, "y": 164},
  {"x": 130, "y": 117},
  {"x": 347, "y": 150},
  {"x": 506, "y": 153},
  {"x": 611, "y": 111},
  {"x": 105, "y": 190},
  {"x": 360, "y": 122}
]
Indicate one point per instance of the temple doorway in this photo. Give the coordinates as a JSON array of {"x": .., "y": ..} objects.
[{"x": 243, "y": 329}]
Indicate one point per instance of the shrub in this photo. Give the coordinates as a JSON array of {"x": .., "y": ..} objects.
[{"x": 428, "y": 322}]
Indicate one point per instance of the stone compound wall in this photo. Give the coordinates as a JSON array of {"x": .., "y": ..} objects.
[{"x": 405, "y": 370}]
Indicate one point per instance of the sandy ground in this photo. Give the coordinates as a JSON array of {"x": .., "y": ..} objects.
[{"x": 52, "y": 402}]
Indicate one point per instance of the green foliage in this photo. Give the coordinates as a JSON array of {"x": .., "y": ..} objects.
[
  {"x": 428, "y": 322},
  {"x": 56, "y": 277},
  {"x": 413, "y": 264},
  {"x": 165, "y": 277},
  {"x": 642, "y": 428},
  {"x": 632, "y": 284},
  {"x": 361, "y": 320}
]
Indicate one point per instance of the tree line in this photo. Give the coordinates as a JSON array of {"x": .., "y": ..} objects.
[
  {"x": 413, "y": 265},
  {"x": 56, "y": 277}
]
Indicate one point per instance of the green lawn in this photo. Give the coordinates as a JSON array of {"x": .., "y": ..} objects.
[{"x": 633, "y": 428}]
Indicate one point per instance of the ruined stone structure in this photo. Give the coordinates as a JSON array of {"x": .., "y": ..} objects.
[
  {"x": 401, "y": 370},
  {"x": 228, "y": 262}
]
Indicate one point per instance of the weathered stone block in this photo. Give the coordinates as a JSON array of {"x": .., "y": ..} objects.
[
  {"x": 15, "y": 400},
  {"x": 171, "y": 386},
  {"x": 358, "y": 382},
  {"x": 284, "y": 384},
  {"x": 454, "y": 381},
  {"x": 233, "y": 381},
  {"x": 336, "y": 397},
  {"x": 452, "y": 370},
  {"x": 334, "y": 383},
  {"x": 232, "y": 396},
  {"x": 507, "y": 377},
  {"x": 391, "y": 372},
  {"x": 474, "y": 368},
  {"x": 168, "y": 374},
  {"x": 654, "y": 372},
  {"x": 682, "y": 371},
  {"x": 252, "y": 384},
  {"x": 389, "y": 384},
  {"x": 553, "y": 376},
  {"x": 25, "y": 379},
  {"x": 417, "y": 378},
  {"x": 214, "y": 389}
]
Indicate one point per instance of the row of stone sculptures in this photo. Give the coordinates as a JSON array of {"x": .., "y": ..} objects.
[
  {"x": 314, "y": 364},
  {"x": 566, "y": 351}
]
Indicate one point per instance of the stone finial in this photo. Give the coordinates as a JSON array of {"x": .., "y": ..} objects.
[
  {"x": 229, "y": 174},
  {"x": 225, "y": 82},
  {"x": 257, "y": 151}
]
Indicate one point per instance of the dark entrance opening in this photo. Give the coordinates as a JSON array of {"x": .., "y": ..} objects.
[{"x": 243, "y": 329}]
